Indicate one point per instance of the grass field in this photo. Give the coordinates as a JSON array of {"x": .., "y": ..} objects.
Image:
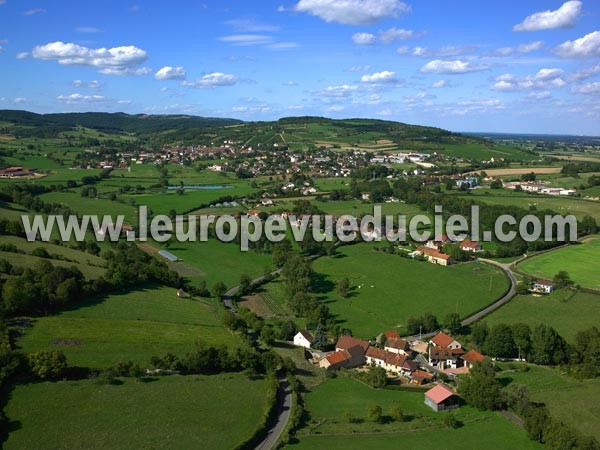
[
  {"x": 395, "y": 288},
  {"x": 132, "y": 326},
  {"x": 212, "y": 412},
  {"x": 328, "y": 402},
  {"x": 560, "y": 205},
  {"x": 215, "y": 261},
  {"x": 574, "y": 402},
  {"x": 579, "y": 312},
  {"x": 580, "y": 261}
]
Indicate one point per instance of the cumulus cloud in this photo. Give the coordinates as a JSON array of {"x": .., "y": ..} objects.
[
  {"x": 22, "y": 55},
  {"x": 477, "y": 106},
  {"x": 586, "y": 46},
  {"x": 80, "y": 98},
  {"x": 523, "y": 48},
  {"x": 440, "y": 84},
  {"x": 213, "y": 80},
  {"x": 588, "y": 88},
  {"x": 452, "y": 67},
  {"x": 352, "y": 12},
  {"x": 544, "y": 79},
  {"x": 564, "y": 17},
  {"x": 395, "y": 34},
  {"x": 170, "y": 73},
  {"x": 360, "y": 68},
  {"x": 586, "y": 73},
  {"x": 344, "y": 90},
  {"x": 94, "y": 84},
  {"x": 379, "y": 77},
  {"x": 363, "y": 38},
  {"x": 111, "y": 61}
]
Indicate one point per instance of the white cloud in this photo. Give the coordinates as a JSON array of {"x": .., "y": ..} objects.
[
  {"x": 450, "y": 50},
  {"x": 440, "y": 84},
  {"x": 564, "y": 17},
  {"x": 477, "y": 106},
  {"x": 80, "y": 98},
  {"x": 588, "y": 45},
  {"x": 543, "y": 95},
  {"x": 342, "y": 91},
  {"x": 247, "y": 39},
  {"x": 586, "y": 73},
  {"x": 451, "y": 67},
  {"x": 22, "y": 55},
  {"x": 94, "y": 84},
  {"x": 213, "y": 80},
  {"x": 544, "y": 79},
  {"x": 112, "y": 61},
  {"x": 395, "y": 34},
  {"x": 34, "y": 11},
  {"x": 360, "y": 68},
  {"x": 352, "y": 12},
  {"x": 335, "y": 108},
  {"x": 170, "y": 73},
  {"x": 588, "y": 88},
  {"x": 379, "y": 77},
  {"x": 363, "y": 38},
  {"x": 404, "y": 50},
  {"x": 282, "y": 45},
  {"x": 523, "y": 48}
]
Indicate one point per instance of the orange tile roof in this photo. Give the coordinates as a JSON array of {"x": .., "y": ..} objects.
[
  {"x": 439, "y": 393},
  {"x": 472, "y": 355},
  {"x": 442, "y": 340},
  {"x": 337, "y": 357},
  {"x": 346, "y": 342}
]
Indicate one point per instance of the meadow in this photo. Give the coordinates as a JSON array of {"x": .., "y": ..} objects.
[
  {"x": 128, "y": 326},
  {"x": 572, "y": 401},
  {"x": 330, "y": 401},
  {"x": 565, "y": 312},
  {"x": 193, "y": 411},
  {"x": 580, "y": 261},
  {"x": 394, "y": 288}
]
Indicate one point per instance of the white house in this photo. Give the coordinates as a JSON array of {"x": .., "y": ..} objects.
[
  {"x": 542, "y": 286},
  {"x": 303, "y": 339}
]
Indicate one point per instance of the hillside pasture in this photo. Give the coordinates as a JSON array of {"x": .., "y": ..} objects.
[
  {"x": 190, "y": 410},
  {"x": 580, "y": 261},
  {"x": 388, "y": 289},
  {"x": 128, "y": 326}
]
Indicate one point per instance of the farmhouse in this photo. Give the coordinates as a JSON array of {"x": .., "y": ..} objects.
[
  {"x": 445, "y": 358},
  {"x": 397, "y": 345},
  {"x": 441, "y": 398},
  {"x": 303, "y": 339},
  {"x": 391, "y": 362},
  {"x": 542, "y": 286},
  {"x": 419, "y": 377},
  {"x": 435, "y": 256},
  {"x": 348, "y": 342},
  {"x": 444, "y": 340},
  {"x": 470, "y": 246},
  {"x": 352, "y": 357},
  {"x": 436, "y": 243},
  {"x": 470, "y": 357}
]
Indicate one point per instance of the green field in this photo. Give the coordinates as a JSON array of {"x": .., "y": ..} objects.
[
  {"x": 395, "y": 288},
  {"x": 131, "y": 326},
  {"x": 328, "y": 402},
  {"x": 560, "y": 205},
  {"x": 582, "y": 262},
  {"x": 212, "y": 412},
  {"x": 577, "y": 313},
  {"x": 215, "y": 261},
  {"x": 572, "y": 401}
]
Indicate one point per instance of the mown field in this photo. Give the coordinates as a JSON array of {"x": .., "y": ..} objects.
[
  {"x": 393, "y": 288},
  {"x": 131, "y": 326},
  {"x": 572, "y": 401},
  {"x": 193, "y": 411},
  {"x": 330, "y": 401},
  {"x": 582, "y": 262},
  {"x": 563, "y": 311},
  {"x": 560, "y": 205}
]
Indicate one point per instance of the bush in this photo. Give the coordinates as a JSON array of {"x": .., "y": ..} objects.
[
  {"x": 47, "y": 364},
  {"x": 375, "y": 413}
]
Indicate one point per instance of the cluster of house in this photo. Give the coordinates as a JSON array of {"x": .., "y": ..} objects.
[
  {"x": 17, "y": 171},
  {"x": 538, "y": 187},
  {"x": 542, "y": 287},
  {"x": 432, "y": 250},
  {"x": 413, "y": 360}
]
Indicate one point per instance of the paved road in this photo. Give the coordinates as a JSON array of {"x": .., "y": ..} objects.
[
  {"x": 284, "y": 400},
  {"x": 228, "y": 297}
]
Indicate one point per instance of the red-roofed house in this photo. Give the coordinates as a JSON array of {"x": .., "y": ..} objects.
[
  {"x": 470, "y": 246},
  {"x": 441, "y": 398},
  {"x": 470, "y": 357},
  {"x": 352, "y": 357},
  {"x": 444, "y": 340},
  {"x": 346, "y": 342},
  {"x": 420, "y": 377},
  {"x": 397, "y": 345},
  {"x": 435, "y": 256}
]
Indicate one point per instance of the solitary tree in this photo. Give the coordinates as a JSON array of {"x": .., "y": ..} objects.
[
  {"x": 219, "y": 289},
  {"x": 344, "y": 287}
]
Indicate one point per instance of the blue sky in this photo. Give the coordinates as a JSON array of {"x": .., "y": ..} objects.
[{"x": 512, "y": 66}]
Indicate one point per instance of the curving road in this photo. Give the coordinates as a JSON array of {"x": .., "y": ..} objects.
[{"x": 284, "y": 409}]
